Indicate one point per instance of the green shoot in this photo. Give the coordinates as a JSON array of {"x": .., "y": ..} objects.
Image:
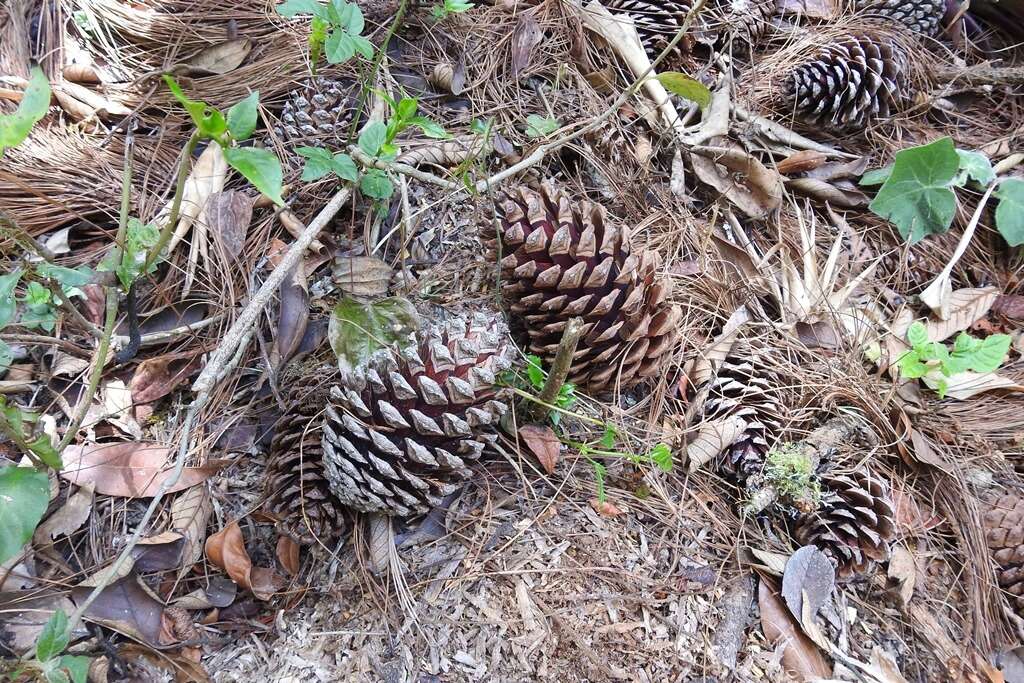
[
  {"x": 336, "y": 29},
  {"x": 35, "y": 102},
  {"x": 449, "y": 7},
  {"x": 541, "y": 126},
  {"x": 934, "y": 359}
]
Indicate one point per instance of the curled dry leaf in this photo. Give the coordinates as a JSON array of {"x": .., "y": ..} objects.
[
  {"x": 526, "y": 36},
  {"x": 82, "y": 103},
  {"x": 801, "y": 162},
  {"x": 129, "y": 469},
  {"x": 755, "y": 189},
  {"x": 362, "y": 276},
  {"x": 445, "y": 153},
  {"x": 839, "y": 194},
  {"x": 964, "y": 385},
  {"x": 127, "y": 606},
  {"x": 713, "y": 438},
  {"x": 543, "y": 443},
  {"x": 903, "y": 572},
  {"x": 226, "y": 549},
  {"x": 1010, "y": 305},
  {"x": 605, "y": 508},
  {"x": 228, "y": 216},
  {"x": 157, "y": 377},
  {"x": 293, "y": 315},
  {"x": 207, "y": 177},
  {"x": 190, "y": 512},
  {"x": 966, "y": 307},
  {"x": 67, "y": 519},
  {"x": 449, "y": 77},
  {"x": 219, "y": 58},
  {"x": 81, "y": 73},
  {"x": 288, "y": 555},
  {"x": 800, "y": 656}
]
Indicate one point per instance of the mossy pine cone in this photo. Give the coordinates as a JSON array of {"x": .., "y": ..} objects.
[
  {"x": 402, "y": 433},
  {"x": 297, "y": 492},
  {"x": 850, "y": 84},
  {"x": 921, "y": 16},
  {"x": 854, "y": 523},
  {"x": 562, "y": 260},
  {"x": 1003, "y": 521}
]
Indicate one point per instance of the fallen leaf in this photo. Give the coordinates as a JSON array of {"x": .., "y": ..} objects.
[
  {"x": 190, "y": 512},
  {"x": 883, "y": 667},
  {"x": 966, "y": 307},
  {"x": 809, "y": 574},
  {"x": 226, "y": 549},
  {"x": 129, "y": 469},
  {"x": 158, "y": 553},
  {"x": 117, "y": 402},
  {"x": 219, "y": 58},
  {"x": 687, "y": 267},
  {"x": 713, "y": 438},
  {"x": 817, "y": 335},
  {"x": 841, "y": 194},
  {"x": 24, "y": 615},
  {"x": 800, "y": 656},
  {"x": 288, "y": 555},
  {"x": 903, "y": 572},
  {"x": 963, "y": 385},
  {"x": 774, "y": 563},
  {"x": 1010, "y": 305},
  {"x": 701, "y": 369},
  {"x": 128, "y": 607},
  {"x": 81, "y": 73},
  {"x": 228, "y": 215},
  {"x": 755, "y": 189},
  {"x": 543, "y": 443},
  {"x": 525, "y": 37},
  {"x": 207, "y": 177},
  {"x": 1011, "y": 665},
  {"x": 157, "y": 377},
  {"x": 67, "y": 519},
  {"x": 82, "y": 103},
  {"x": 181, "y": 667},
  {"x": 909, "y": 516},
  {"x": 293, "y": 315},
  {"x": 362, "y": 276},
  {"x": 801, "y": 162},
  {"x": 605, "y": 508},
  {"x": 220, "y": 592},
  {"x": 276, "y": 251}
]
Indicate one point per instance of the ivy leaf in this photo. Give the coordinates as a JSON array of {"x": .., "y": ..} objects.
[
  {"x": 25, "y": 492},
  {"x": 242, "y": 116},
  {"x": 376, "y": 184},
  {"x": 917, "y": 334},
  {"x": 53, "y": 639},
  {"x": 340, "y": 47},
  {"x": 1010, "y": 212},
  {"x": 344, "y": 167},
  {"x": 430, "y": 128},
  {"x": 372, "y": 137},
  {"x": 662, "y": 457},
  {"x": 291, "y": 8},
  {"x": 539, "y": 126},
  {"x": 686, "y": 87},
  {"x": 35, "y": 102},
  {"x": 67, "y": 277},
  {"x": 977, "y": 166},
  {"x": 260, "y": 167},
  {"x": 917, "y": 197},
  {"x": 357, "y": 330},
  {"x": 318, "y": 162},
  {"x": 7, "y": 306}
]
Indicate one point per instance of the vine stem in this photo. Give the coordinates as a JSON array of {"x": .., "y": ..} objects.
[{"x": 179, "y": 190}]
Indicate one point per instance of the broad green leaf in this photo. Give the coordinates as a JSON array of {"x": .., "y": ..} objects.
[
  {"x": 6, "y": 356},
  {"x": 7, "y": 306},
  {"x": 13, "y": 417},
  {"x": 535, "y": 371},
  {"x": 917, "y": 334},
  {"x": 54, "y": 674},
  {"x": 662, "y": 457},
  {"x": 260, "y": 167},
  {"x": 406, "y": 109},
  {"x": 77, "y": 666},
  {"x": 339, "y": 12},
  {"x": 989, "y": 355},
  {"x": 376, "y": 184},
  {"x": 318, "y": 163},
  {"x": 911, "y": 365},
  {"x": 566, "y": 396},
  {"x": 372, "y": 137},
  {"x": 430, "y": 128},
  {"x": 344, "y": 167},
  {"x": 1010, "y": 212},
  {"x": 977, "y": 166},
  {"x": 43, "y": 317},
  {"x": 291, "y": 8},
  {"x": 539, "y": 126},
  {"x": 876, "y": 177},
  {"x": 317, "y": 153},
  {"x": 53, "y": 639},
  {"x": 43, "y": 448},
  {"x": 208, "y": 121},
  {"x": 356, "y": 22},
  {"x": 25, "y": 492},
  {"x": 457, "y": 6},
  {"x": 363, "y": 46},
  {"x": 243, "y": 115},
  {"x": 686, "y": 87},
  {"x": 35, "y": 102},
  {"x": 917, "y": 197},
  {"x": 37, "y": 295},
  {"x": 67, "y": 277},
  {"x": 965, "y": 343},
  {"x": 357, "y": 330},
  {"x": 439, "y": 12},
  {"x": 339, "y": 46}
]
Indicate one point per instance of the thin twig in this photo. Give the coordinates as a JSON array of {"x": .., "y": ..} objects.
[
  {"x": 19, "y": 234},
  {"x": 405, "y": 169},
  {"x": 559, "y": 368},
  {"x": 41, "y": 339}
]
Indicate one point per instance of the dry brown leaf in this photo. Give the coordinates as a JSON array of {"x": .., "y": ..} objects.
[
  {"x": 903, "y": 571},
  {"x": 25, "y": 612},
  {"x": 129, "y": 469},
  {"x": 288, "y": 555},
  {"x": 127, "y": 606},
  {"x": 293, "y": 315},
  {"x": 966, "y": 307},
  {"x": 755, "y": 189},
  {"x": 158, "y": 553},
  {"x": 605, "y": 508},
  {"x": 964, "y": 385},
  {"x": 526, "y": 36},
  {"x": 276, "y": 251},
  {"x": 883, "y": 667},
  {"x": 67, "y": 519},
  {"x": 157, "y": 377},
  {"x": 800, "y": 656},
  {"x": 701, "y": 369},
  {"x": 365, "y": 276},
  {"x": 449, "y": 77},
  {"x": 183, "y": 669},
  {"x": 228, "y": 216},
  {"x": 909, "y": 516},
  {"x": 817, "y": 335},
  {"x": 1010, "y": 305},
  {"x": 219, "y": 58},
  {"x": 801, "y": 162},
  {"x": 190, "y": 512},
  {"x": 226, "y": 549},
  {"x": 220, "y": 592},
  {"x": 543, "y": 443},
  {"x": 810, "y": 576},
  {"x": 207, "y": 177},
  {"x": 82, "y": 73},
  {"x": 77, "y": 99},
  {"x": 713, "y": 438},
  {"x": 839, "y": 194}
]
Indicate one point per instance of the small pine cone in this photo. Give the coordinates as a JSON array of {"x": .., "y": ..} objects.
[
  {"x": 563, "y": 260},
  {"x": 1003, "y": 521},
  {"x": 922, "y": 16},
  {"x": 854, "y": 523},
  {"x": 851, "y": 83},
  {"x": 739, "y": 390},
  {"x": 297, "y": 492},
  {"x": 402, "y": 434},
  {"x": 320, "y": 112},
  {"x": 746, "y": 20}
]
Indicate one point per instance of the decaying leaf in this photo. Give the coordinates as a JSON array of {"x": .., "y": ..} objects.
[
  {"x": 226, "y": 549},
  {"x": 801, "y": 162},
  {"x": 800, "y": 656},
  {"x": 190, "y": 513},
  {"x": 357, "y": 330},
  {"x": 755, "y": 189},
  {"x": 362, "y": 276},
  {"x": 178, "y": 665},
  {"x": 158, "y": 553},
  {"x": 157, "y": 377},
  {"x": 117, "y": 404},
  {"x": 127, "y": 606},
  {"x": 817, "y": 335},
  {"x": 605, "y": 508},
  {"x": 911, "y": 519},
  {"x": 220, "y": 592},
  {"x": 964, "y": 385},
  {"x": 207, "y": 177},
  {"x": 288, "y": 554},
  {"x": 903, "y": 572},
  {"x": 543, "y": 443},
  {"x": 293, "y": 315},
  {"x": 526, "y": 36},
  {"x": 966, "y": 307},
  {"x": 713, "y": 438},
  {"x": 24, "y": 613},
  {"x": 128, "y": 469},
  {"x": 229, "y": 214},
  {"x": 810, "y": 576},
  {"x": 67, "y": 519},
  {"x": 1010, "y": 305},
  {"x": 219, "y": 58},
  {"x": 83, "y": 103},
  {"x": 701, "y": 369}
]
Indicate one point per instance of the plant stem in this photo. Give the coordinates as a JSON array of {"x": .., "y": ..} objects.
[
  {"x": 179, "y": 190},
  {"x": 375, "y": 66},
  {"x": 559, "y": 368},
  {"x": 525, "y": 395},
  {"x": 9, "y": 225}
]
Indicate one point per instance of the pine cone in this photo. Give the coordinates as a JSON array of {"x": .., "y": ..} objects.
[
  {"x": 297, "y": 492},
  {"x": 850, "y": 84},
  {"x": 1004, "y": 531},
  {"x": 563, "y": 260},
  {"x": 739, "y": 390},
  {"x": 747, "y": 21},
  {"x": 402, "y": 435},
  {"x": 854, "y": 523},
  {"x": 321, "y": 111},
  {"x": 922, "y": 16},
  {"x": 657, "y": 22}
]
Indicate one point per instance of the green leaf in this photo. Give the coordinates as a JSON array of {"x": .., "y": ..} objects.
[
  {"x": 67, "y": 277},
  {"x": 911, "y": 365},
  {"x": 458, "y": 6},
  {"x": 37, "y": 295},
  {"x": 291, "y": 8},
  {"x": 917, "y": 197},
  {"x": 339, "y": 12},
  {"x": 339, "y": 46},
  {"x": 406, "y": 109},
  {"x": 53, "y": 674},
  {"x": 260, "y": 167},
  {"x": 438, "y": 12},
  {"x": 35, "y": 102},
  {"x": 44, "y": 450},
  {"x": 1010, "y": 212},
  {"x": 208, "y": 121},
  {"x": 917, "y": 334},
  {"x": 376, "y": 184},
  {"x": 53, "y": 639},
  {"x": 242, "y": 116},
  {"x": 430, "y": 128},
  {"x": 600, "y": 473},
  {"x": 539, "y": 126},
  {"x": 608, "y": 438},
  {"x": 25, "y": 492},
  {"x": 318, "y": 162},
  {"x": 965, "y": 343},
  {"x": 357, "y": 330},
  {"x": 662, "y": 457},
  {"x": 363, "y": 47},
  {"x": 566, "y": 396},
  {"x": 989, "y": 355},
  {"x": 39, "y": 316},
  {"x": 77, "y": 666},
  {"x": 686, "y": 87},
  {"x": 344, "y": 167},
  {"x": 139, "y": 239},
  {"x": 876, "y": 177},
  {"x": 977, "y": 166},
  {"x": 356, "y": 23},
  {"x": 7, "y": 306},
  {"x": 535, "y": 371},
  {"x": 388, "y": 151},
  {"x": 6, "y": 356},
  {"x": 372, "y": 137}
]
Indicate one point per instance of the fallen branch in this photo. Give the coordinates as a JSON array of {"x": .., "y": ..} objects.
[
  {"x": 559, "y": 369},
  {"x": 981, "y": 75}
]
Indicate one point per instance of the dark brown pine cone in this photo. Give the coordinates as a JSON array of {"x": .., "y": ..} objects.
[
  {"x": 1003, "y": 520},
  {"x": 657, "y": 22}
]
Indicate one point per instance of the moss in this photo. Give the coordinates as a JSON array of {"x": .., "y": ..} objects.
[{"x": 790, "y": 470}]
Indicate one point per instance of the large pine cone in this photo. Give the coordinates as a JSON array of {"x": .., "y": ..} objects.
[
  {"x": 850, "y": 84},
  {"x": 922, "y": 16},
  {"x": 562, "y": 260},
  {"x": 319, "y": 113},
  {"x": 657, "y": 22},
  {"x": 402, "y": 435},
  {"x": 297, "y": 492},
  {"x": 854, "y": 523},
  {"x": 1004, "y": 531}
]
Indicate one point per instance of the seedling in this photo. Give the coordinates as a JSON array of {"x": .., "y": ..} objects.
[
  {"x": 934, "y": 361},
  {"x": 449, "y": 7},
  {"x": 336, "y": 29},
  {"x": 541, "y": 126}
]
